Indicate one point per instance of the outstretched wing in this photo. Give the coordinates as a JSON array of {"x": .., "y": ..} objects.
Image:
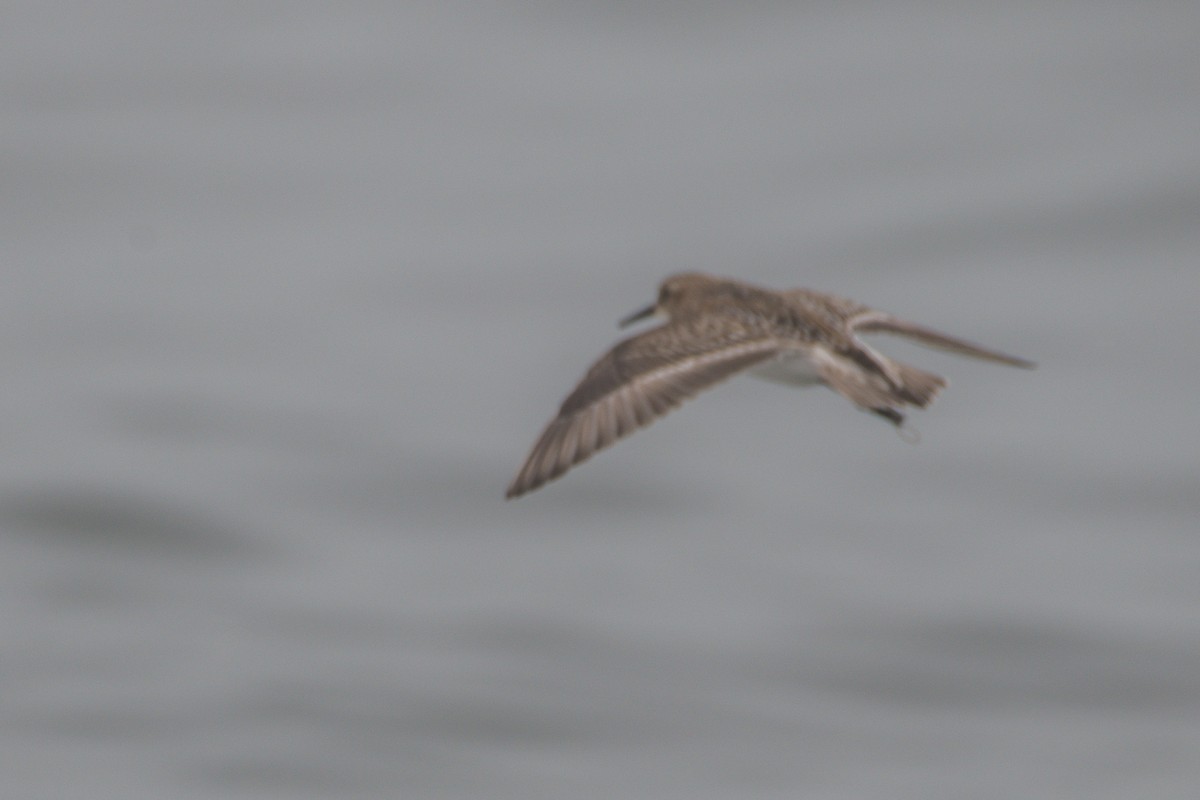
[
  {"x": 639, "y": 380},
  {"x": 881, "y": 322}
]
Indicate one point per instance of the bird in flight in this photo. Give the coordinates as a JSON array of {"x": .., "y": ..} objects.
[{"x": 718, "y": 327}]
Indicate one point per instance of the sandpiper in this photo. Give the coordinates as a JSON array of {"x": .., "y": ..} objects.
[{"x": 717, "y": 327}]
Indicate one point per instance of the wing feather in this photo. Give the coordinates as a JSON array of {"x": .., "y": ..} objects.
[
  {"x": 881, "y": 322},
  {"x": 635, "y": 383}
]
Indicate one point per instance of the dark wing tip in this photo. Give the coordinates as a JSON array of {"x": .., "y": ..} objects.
[
  {"x": 523, "y": 484},
  {"x": 998, "y": 357}
]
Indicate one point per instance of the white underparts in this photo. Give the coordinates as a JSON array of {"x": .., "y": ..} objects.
[{"x": 792, "y": 368}]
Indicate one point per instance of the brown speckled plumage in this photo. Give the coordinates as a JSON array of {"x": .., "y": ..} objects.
[{"x": 716, "y": 328}]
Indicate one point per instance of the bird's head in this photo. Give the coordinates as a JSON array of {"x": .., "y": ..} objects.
[{"x": 674, "y": 293}]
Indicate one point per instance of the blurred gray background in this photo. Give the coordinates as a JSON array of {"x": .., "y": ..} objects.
[{"x": 290, "y": 288}]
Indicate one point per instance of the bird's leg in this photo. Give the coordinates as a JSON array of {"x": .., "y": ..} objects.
[
  {"x": 907, "y": 433},
  {"x": 890, "y": 414}
]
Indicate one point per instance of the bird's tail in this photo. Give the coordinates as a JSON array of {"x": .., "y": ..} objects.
[
  {"x": 916, "y": 386},
  {"x": 884, "y": 387}
]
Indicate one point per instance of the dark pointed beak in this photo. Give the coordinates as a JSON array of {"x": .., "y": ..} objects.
[{"x": 637, "y": 316}]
